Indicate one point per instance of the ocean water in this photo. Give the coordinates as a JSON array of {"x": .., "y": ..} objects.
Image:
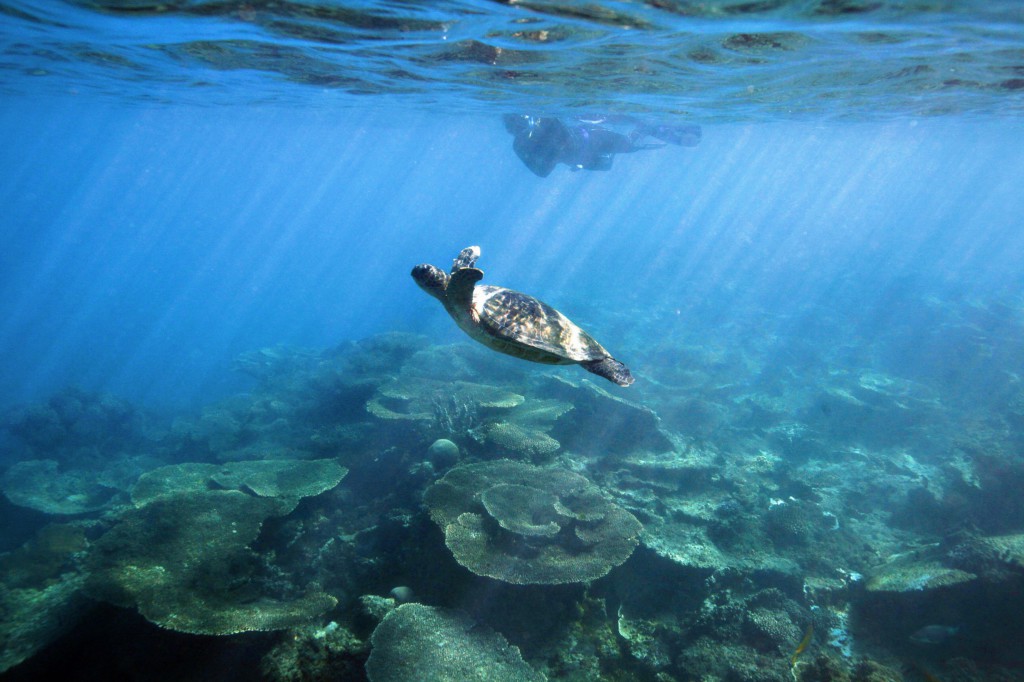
[{"x": 210, "y": 211}]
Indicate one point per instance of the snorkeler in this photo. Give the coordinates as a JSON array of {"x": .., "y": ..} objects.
[{"x": 543, "y": 142}]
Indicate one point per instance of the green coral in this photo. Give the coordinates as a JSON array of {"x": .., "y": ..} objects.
[
  {"x": 40, "y": 484},
  {"x": 530, "y": 525},
  {"x": 522, "y": 509},
  {"x": 183, "y": 561},
  {"x": 416, "y": 398},
  {"x": 330, "y": 652},
  {"x": 915, "y": 577},
  {"x": 606, "y": 423},
  {"x": 264, "y": 478},
  {"x": 32, "y": 617},
  {"x": 525, "y": 442},
  {"x": 416, "y": 642}
]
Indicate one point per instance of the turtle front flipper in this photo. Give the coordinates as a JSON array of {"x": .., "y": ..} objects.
[
  {"x": 610, "y": 369},
  {"x": 459, "y": 294},
  {"x": 466, "y": 258}
]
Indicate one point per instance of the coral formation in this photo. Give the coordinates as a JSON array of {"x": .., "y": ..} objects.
[
  {"x": 311, "y": 652},
  {"x": 765, "y": 492},
  {"x": 40, "y": 484},
  {"x": 183, "y": 561},
  {"x": 605, "y": 423},
  {"x": 525, "y": 524},
  {"x": 264, "y": 478},
  {"x": 443, "y": 453},
  {"x": 430, "y": 399},
  {"x": 916, "y": 577},
  {"x": 33, "y": 617},
  {"x": 416, "y": 642},
  {"x": 518, "y": 441}
]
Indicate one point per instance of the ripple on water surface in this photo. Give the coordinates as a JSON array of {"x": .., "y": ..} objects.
[{"x": 724, "y": 60}]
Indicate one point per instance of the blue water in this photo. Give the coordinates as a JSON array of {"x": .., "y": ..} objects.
[
  {"x": 145, "y": 247},
  {"x": 829, "y": 284}
]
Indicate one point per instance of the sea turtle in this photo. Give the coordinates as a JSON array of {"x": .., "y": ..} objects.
[{"x": 514, "y": 323}]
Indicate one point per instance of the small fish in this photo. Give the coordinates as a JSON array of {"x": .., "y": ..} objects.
[
  {"x": 934, "y": 634},
  {"x": 802, "y": 645}
]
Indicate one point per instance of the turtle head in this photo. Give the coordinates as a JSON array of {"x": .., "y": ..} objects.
[{"x": 432, "y": 280}]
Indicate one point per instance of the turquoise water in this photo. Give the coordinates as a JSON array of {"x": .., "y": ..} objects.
[{"x": 209, "y": 215}]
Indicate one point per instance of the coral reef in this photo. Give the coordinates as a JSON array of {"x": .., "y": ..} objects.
[
  {"x": 697, "y": 530},
  {"x": 264, "y": 478},
  {"x": 517, "y": 441},
  {"x": 194, "y": 572},
  {"x": 447, "y": 403},
  {"x": 530, "y": 525},
  {"x": 416, "y": 642},
  {"x": 40, "y": 484},
  {"x": 330, "y": 652},
  {"x": 33, "y": 617}
]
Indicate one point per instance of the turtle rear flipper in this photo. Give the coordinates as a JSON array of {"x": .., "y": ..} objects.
[{"x": 610, "y": 369}]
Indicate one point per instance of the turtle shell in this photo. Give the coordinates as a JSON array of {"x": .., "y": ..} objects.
[{"x": 519, "y": 320}]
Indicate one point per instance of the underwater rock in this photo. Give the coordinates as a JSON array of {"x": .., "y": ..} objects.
[
  {"x": 264, "y": 478},
  {"x": 40, "y": 484},
  {"x": 770, "y": 630},
  {"x": 539, "y": 413},
  {"x": 33, "y": 617},
  {"x": 793, "y": 522},
  {"x": 603, "y": 424},
  {"x": 416, "y": 642},
  {"x": 997, "y": 559},
  {"x": 644, "y": 639},
  {"x": 380, "y": 354},
  {"x": 329, "y": 652},
  {"x": 689, "y": 546},
  {"x": 281, "y": 478},
  {"x": 915, "y": 577},
  {"x": 457, "y": 362},
  {"x": 530, "y": 525},
  {"x": 74, "y": 420},
  {"x": 220, "y": 428},
  {"x": 423, "y": 399},
  {"x": 443, "y": 453},
  {"x": 183, "y": 561},
  {"x": 690, "y": 469},
  {"x": 49, "y": 556},
  {"x": 41, "y": 591},
  {"x": 874, "y": 408},
  {"x": 276, "y": 364},
  {"x": 374, "y": 607}
]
